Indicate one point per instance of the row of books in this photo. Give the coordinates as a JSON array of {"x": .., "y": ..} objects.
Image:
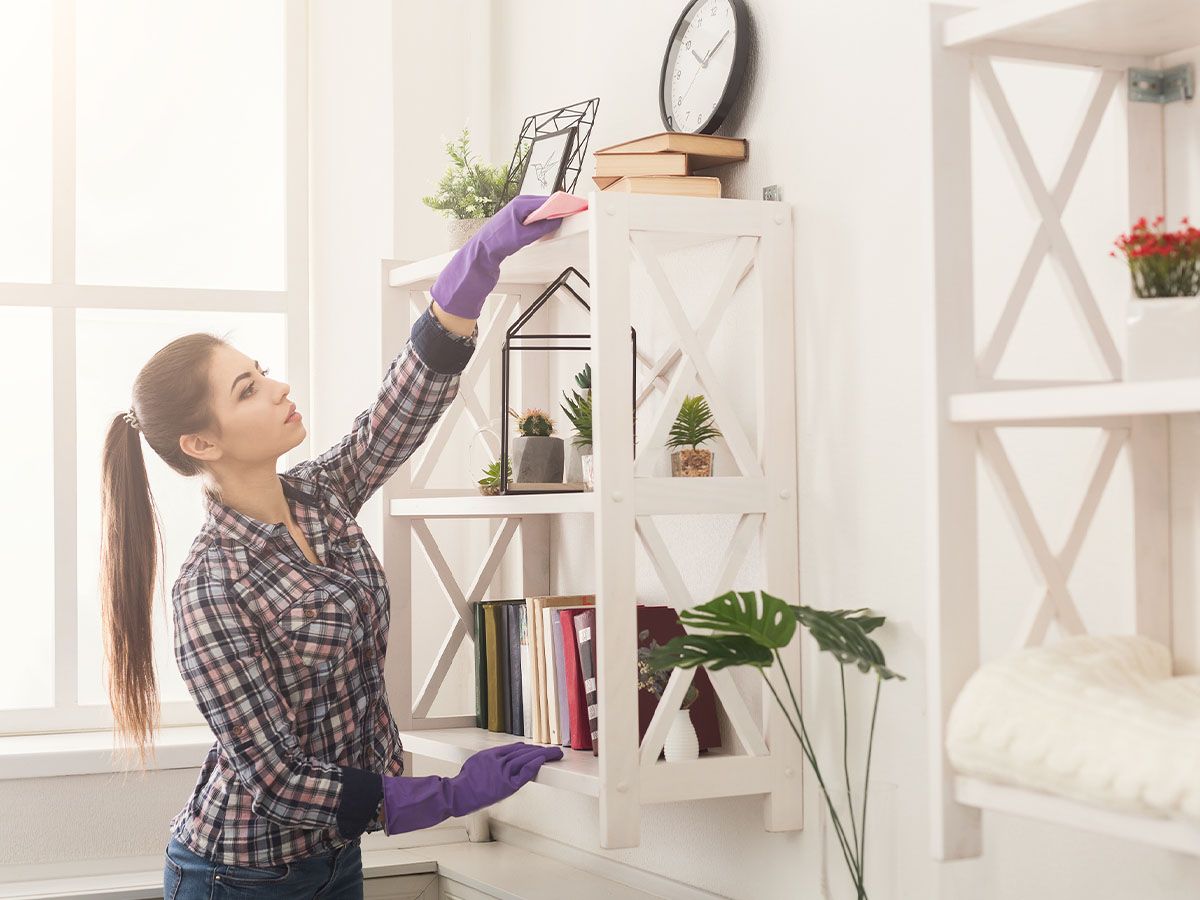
[
  {"x": 536, "y": 671},
  {"x": 664, "y": 163}
]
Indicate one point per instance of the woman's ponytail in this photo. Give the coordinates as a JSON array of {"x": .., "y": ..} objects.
[
  {"x": 171, "y": 398},
  {"x": 130, "y": 538}
]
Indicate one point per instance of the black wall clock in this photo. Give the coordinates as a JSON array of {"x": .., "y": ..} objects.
[{"x": 703, "y": 66}]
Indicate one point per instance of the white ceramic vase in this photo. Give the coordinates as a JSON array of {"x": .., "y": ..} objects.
[
  {"x": 681, "y": 742},
  {"x": 1162, "y": 338}
]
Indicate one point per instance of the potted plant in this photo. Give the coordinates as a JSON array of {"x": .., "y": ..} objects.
[
  {"x": 489, "y": 484},
  {"x": 578, "y": 409},
  {"x": 537, "y": 454},
  {"x": 741, "y": 631},
  {"x": 682, "y": 742},
  {"x": 1163, "y": 320},
  {"x": 692, "y": 427},
  {"x": 469, "y": 192}
]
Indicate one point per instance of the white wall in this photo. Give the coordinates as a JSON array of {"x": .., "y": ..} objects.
[{"x": 837, "y": 113}]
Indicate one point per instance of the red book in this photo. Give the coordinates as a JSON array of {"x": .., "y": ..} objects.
[{"x": 581, "y": 731}]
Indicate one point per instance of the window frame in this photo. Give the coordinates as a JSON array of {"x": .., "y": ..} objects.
[{"x": 63, "y": 296}]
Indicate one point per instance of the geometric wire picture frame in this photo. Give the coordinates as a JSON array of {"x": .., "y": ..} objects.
[{"x": 581, "y": 114}]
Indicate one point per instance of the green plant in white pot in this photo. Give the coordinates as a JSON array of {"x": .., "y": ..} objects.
[
  {"x": 578, "y": 409},
  {"x": 1163, "y": 317},
  {"x": 469, "y": 192}
]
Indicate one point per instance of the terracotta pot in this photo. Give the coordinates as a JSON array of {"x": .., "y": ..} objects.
[
  {"x": 459, "y": 231},
  {"x": 690, "y": 463}
]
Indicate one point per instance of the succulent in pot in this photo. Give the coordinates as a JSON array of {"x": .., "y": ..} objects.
[
  {"x": 489, "y": 484},
  {"x": 537, "y": 453},
  {"x": 693, "y": 426}
]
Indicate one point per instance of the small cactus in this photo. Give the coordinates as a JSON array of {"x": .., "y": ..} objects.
[{"x": 534, "y": 423}]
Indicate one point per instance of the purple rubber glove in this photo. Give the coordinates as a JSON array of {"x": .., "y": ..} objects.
[
  {"x": 473, "y": 271},
  {"x": 487, "y": 776}
]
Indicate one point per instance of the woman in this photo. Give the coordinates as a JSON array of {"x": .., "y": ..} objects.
[{"x": 281, "y": 608}]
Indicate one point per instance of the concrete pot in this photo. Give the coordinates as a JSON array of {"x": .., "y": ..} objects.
[
  {"x": 689, "y": 463},
  {"x": 537, "y": 458},
  {"x": 459, "y": 231}
]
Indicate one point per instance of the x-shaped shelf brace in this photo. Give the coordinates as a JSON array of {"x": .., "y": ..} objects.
[
  {"x": 463, "y": 624},
  {"x": 681, "y": 598},
  {"x": 1051, "y": 236},
  {"x": 1055, "y": 569},
  {"x": 692, "y": 345}
]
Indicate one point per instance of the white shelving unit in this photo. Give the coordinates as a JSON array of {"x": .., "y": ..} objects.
[
  {"x": 618, "y": 233},
  {"x": 1109, "y": 36}
]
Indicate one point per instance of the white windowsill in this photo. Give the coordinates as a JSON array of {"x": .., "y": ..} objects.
[{"x": 93, "y": 752}]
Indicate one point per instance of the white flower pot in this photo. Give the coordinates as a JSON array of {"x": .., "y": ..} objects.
[
  {"x": 1162, "y": 338},
  {"x": 459, "y": 231},
  {"x": 681, "y": 742},
  {"x": 589, "y": 472}
]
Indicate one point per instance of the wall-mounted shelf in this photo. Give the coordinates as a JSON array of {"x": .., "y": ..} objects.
[
  {"x": 1133, "y": 27},
  {"x": 1108, "y": 37},
  {"x": 619, "y": 234},
  {"x": 715, "y": 774},
  {"x": 1048, "y": 405}
]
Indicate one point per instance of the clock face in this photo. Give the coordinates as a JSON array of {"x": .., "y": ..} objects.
[{"x": 703, "y": 65}]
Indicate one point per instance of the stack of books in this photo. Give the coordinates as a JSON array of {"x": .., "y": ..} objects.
[
  {"x": 664, "y": 163},
  {"x": 536, "y": 675}
]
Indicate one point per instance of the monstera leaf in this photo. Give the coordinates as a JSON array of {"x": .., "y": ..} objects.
[
  {"x": 711, "y": 651},
  {"x": 843, "y": 632},
  {"x": 738, "y": 613}
]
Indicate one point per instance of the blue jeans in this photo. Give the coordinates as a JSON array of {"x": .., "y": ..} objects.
[{"x": 334, "y": 875}]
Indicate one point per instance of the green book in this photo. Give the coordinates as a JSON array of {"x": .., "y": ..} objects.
[
  {"x": 481, "y": 691},
  {"x": 494, "y": 713}
]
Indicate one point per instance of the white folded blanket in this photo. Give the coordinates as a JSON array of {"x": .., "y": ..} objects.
[{"x": 1096, "y": 718}]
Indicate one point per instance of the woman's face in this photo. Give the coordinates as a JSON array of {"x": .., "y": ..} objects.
[{"x": 252, "y": 410}]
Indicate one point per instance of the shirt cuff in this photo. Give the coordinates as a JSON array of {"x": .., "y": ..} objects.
[
  {"x": 442, "y": 350},
  {"x": 362, "y": 791}
]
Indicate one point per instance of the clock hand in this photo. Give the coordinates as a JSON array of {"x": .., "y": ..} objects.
[
  {"x": 697, "y": 55},
  {"x": 709, "y": 54}
]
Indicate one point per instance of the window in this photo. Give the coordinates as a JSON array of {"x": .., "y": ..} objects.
[{"x": 152, "y": 160}]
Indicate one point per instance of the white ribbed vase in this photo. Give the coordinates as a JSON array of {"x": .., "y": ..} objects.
[{"x": 681, "y": 742}]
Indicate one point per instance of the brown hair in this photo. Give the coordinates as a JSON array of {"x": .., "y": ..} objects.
[{"x": 170, "y": 398}]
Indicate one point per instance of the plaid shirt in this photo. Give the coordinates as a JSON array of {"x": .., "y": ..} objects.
[{"x": 285, "y": 658}]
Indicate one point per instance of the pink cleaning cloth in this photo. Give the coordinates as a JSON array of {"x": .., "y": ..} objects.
[{"x": 557, "y": 206}]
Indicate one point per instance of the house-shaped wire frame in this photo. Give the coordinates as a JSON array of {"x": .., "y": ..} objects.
[{"x": 571, "y": 281}]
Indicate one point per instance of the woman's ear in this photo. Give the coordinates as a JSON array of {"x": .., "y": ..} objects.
[{"x": 199, "y": 447}]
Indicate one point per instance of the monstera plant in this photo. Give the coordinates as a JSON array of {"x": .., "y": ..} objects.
[{"x": 749, "y": 628}]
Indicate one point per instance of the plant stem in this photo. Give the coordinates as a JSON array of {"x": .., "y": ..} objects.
[
  {"x": 846, "y": 761},
  {"x": 806, "y": 746},
  {"x": 846, "y": 852},
  {"x": 862, "y": 851}
]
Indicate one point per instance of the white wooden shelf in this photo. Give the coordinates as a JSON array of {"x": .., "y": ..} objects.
[
  {"x": 654, "y": 496},
  {"x": 1172, "y": 834},
  {"x": 621, "y": 236},
  {"x": 478, "y": 506},
  {"x": 1107, "y": 37},
  {"x": 1084, "y": 401},
  {"x": 1134, "y": 27},
  {"x": 714, "y": 774}
]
